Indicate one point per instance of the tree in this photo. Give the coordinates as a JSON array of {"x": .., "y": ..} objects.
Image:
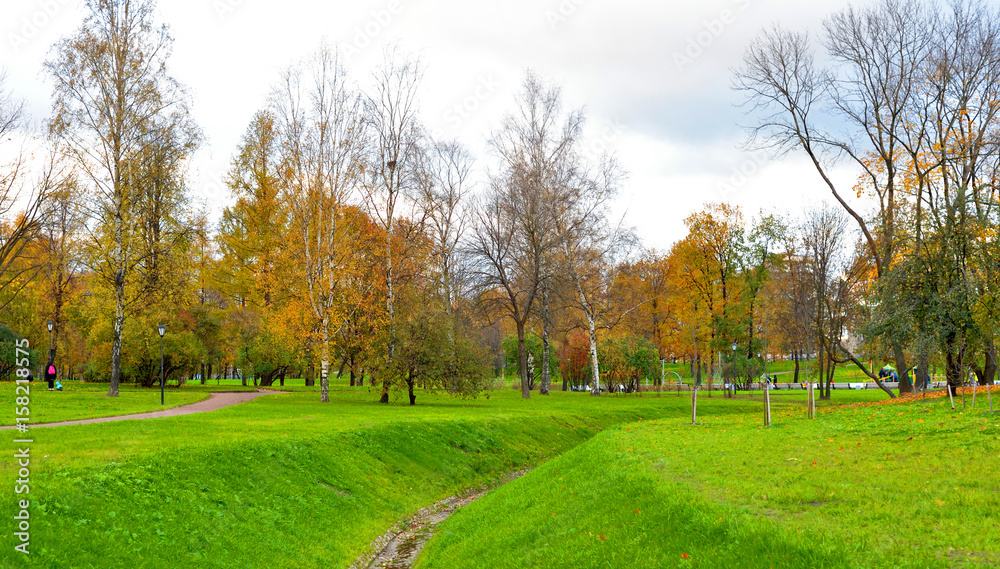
[
  {"x": 517, "y": 232},
  {"x": 123, "y": 118},
  {"x": 916, "y": 86},
  {"x": 596, "y": 253},
  {"x": 322, "y": 141},
  {"x": 392, "y": 168},
  {"x": 24, "y": 185}
]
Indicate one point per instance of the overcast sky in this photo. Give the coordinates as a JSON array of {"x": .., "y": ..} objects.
[{"x": 653, "y": 76}]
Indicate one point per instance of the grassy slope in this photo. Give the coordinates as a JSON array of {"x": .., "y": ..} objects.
[
  {"x": 911, "y": 485},
  {"x": 284, "y": 481},
  {"x": 86, "y": 401}
]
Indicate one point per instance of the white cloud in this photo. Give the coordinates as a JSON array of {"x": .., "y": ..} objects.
[{"x": 679, "y": 133}]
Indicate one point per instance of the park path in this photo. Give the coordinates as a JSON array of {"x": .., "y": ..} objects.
[
  {"x": 214, "y": 402},
  {"x": 398, "y": 548}
]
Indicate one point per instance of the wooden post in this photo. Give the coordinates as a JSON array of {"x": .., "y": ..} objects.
[
  {"x": 951, "y": 396},
  {"x": 694, "y": 404},
  {"x": 975, "y": 387},
  {"x": 767, "y": 405},
  {"x": 812, "y": 400}
]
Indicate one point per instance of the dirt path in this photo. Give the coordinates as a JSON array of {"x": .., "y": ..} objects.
[
  {"x": 214, "y": 402},
  {"x": 399, "y": 547}
]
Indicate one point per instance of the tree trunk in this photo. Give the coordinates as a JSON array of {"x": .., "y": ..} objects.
[
  {"x": 390, "y": 307},
  {"x": 409, "y": 384},
  {"x": 923, "y": 369},
  {"x": 595, "y": 368},
  {"x": 546, "y": 347},
  {"x": 795, "y": 356},
  {"x": 905, "y": 383},
  {"x": 990, "y": 373},
  {"x": 531, "y": 371},
  {"x": 522, "y": 362},
  {"x": 953, "y": 368},
  {"x": 116, "y": 343},
  {"x": 324, "y": 366}
]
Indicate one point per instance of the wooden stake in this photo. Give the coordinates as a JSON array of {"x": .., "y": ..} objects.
[
  {"x": 767, "y": 405},
  {"x": 989, "y": 394},
  {"x": 951, "y": 396},
  {"x": 694, "y": 404},
  {"x": 812, "y": 401},
  {"x": 975, "y": 385}
]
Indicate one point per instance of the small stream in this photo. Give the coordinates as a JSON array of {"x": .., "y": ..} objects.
[{"x": 399, "y": 547}]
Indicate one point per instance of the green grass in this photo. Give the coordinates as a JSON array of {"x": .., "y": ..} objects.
[
  {"x": 283, "y": 481},
  {"x": 87, "y": 401},
  {"x": 908, "y": 485}
]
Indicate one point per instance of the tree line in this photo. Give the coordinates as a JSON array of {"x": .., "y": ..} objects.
[{"x": 357, "y": 245}]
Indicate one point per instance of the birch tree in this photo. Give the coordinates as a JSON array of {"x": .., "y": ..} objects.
[
  {"x": 596, "y": 252},
  {"x": 392, "y": 168},
  {"x": 322, "y": 125},
  {"x": 112, "y": 93}
]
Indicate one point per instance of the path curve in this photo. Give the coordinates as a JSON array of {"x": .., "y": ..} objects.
[{"x": 214, "y": 402}]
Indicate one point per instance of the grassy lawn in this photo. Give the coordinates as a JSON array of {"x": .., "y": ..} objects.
[
  {"x": 87, "y": 401},
  {"x": 283, "y": 481},
  {"x": 903, "y": 485}
]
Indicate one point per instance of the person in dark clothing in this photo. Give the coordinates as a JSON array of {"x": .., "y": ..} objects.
[{"x": 50, "y": 375}]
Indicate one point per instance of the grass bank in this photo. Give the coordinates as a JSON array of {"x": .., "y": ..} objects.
[
  {"x": 283, "y": 481},
  {"x": 904, "y": 485}
]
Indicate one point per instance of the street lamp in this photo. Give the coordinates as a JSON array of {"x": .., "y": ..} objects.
[
  {"x": 49, "y": 325},
  {"x": 735, "y": 346},
  {"x": 162, "y": 330}
]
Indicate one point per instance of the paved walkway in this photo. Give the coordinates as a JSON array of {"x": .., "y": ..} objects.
[{"x": 214, "y": 402}]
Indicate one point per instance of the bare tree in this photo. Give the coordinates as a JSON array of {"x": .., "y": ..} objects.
[
  {"x": 444, "y": 197},
  {"x": 596, "y": 251},
  {"x": 392, "y": 167},
  {"x": 517, "y": 230},
  {"x": 112, "y": 94},
  {"x": 24, "y": 185},
  {"x": 873, "y": 88}
]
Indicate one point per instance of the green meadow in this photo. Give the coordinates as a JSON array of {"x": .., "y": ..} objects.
[{"x": 617, "y": 481}]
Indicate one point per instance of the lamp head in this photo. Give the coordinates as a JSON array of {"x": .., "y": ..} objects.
[
  {"x": 161, "y": 329},
  {"x": 49, "y": 325},
  {"x": 735, "y": 345}
]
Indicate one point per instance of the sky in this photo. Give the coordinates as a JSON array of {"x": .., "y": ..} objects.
[{"x": 652, "y": 76}]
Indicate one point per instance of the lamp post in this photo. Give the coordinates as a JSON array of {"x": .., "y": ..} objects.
[
  {"x": 162, "y": 330},
  {"x": 735, "y": 346},
  {"x": 52, "y": 356}
]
